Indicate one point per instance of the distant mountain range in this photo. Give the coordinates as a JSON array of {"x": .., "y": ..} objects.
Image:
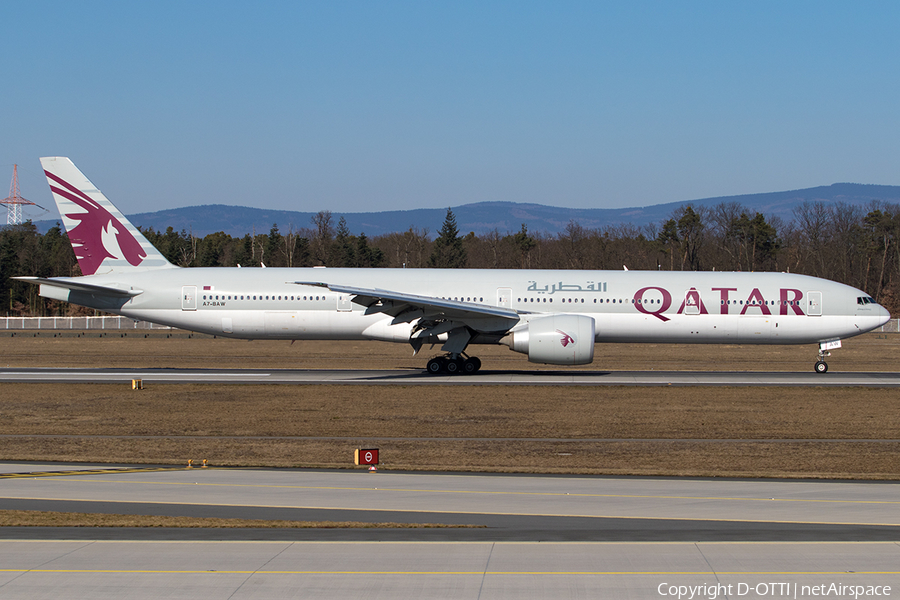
[{"x": 483, "y": 217}]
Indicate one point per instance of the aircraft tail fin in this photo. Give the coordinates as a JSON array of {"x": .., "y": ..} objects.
[{"x": 103, "y": 239}]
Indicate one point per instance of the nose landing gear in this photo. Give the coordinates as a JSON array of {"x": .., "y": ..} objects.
[
  {"x": 824, "y": 347},
  {"x": 453, "y": 364}
]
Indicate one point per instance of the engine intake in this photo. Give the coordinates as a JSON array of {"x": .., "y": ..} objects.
[{"x": 555, "y": 340}]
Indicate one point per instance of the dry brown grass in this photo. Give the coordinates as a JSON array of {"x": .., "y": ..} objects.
[
  {"x": 39, "y": 518},
  {"x": 749, "y": 431},
  {"x": 871, "y": 352},
  {"x": 696, "y": 431}
]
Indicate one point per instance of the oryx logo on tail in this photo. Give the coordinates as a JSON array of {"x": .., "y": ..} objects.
[
  {"x": 102, "y": 237},
  {"x": 95, "y": 231}
]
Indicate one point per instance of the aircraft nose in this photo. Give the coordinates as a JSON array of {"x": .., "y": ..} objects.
[{"x": 884, "y": 315}]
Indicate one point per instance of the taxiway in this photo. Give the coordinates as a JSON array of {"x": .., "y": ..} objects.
[{"x": 538, "y": 536}]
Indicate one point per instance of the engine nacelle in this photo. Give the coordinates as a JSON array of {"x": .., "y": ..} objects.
[{"x": 555, "y": 340}]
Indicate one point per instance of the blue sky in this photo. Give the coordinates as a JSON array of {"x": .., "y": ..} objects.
[{"x": 356, "y": 106}]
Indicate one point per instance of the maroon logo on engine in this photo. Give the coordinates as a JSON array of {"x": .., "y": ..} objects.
[
  {"x": 566, "y": 338},
  {"x": 87, "y": 236}
]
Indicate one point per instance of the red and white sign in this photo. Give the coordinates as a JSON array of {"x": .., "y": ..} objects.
[{"x": 367, "y": 456}]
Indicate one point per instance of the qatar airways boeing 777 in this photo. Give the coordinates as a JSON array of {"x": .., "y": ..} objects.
[{"x": 554, "y": 317}]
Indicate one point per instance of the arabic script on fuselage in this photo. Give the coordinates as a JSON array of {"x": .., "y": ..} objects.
[{"x": 566, "y": 288}]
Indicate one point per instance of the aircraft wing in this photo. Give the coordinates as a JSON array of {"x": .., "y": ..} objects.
[
  {"x": 69, "y": 284},
  {"x": 407, "y": 307}
]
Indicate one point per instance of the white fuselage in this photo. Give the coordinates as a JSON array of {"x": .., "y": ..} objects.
[{"x": 627, "y": 306}]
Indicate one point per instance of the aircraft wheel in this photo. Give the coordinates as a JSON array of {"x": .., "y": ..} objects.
[
  {"x": 452, "y": 366},
  {"x": 435, "y": 365},
  {"x": 472, "y": 365},
  {"x": 821, "y": 366}
]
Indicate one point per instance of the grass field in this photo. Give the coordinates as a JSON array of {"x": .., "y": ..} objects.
[
  {"x": 40, "y": 518},
  {"x": 870, "y": 352},
  {"x": 774, "y": 432}
]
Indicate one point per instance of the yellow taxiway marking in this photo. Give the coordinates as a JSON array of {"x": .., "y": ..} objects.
[
  {"x": 458, "y": 512},
  {"x": 344, "y": 572},
  {"x": 495, "y": 493},
  {"x": 373, "y": 488},
  {"x": 107, "y": 471}
]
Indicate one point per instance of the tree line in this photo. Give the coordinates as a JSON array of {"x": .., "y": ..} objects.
[{"x": 847, "y": 243}]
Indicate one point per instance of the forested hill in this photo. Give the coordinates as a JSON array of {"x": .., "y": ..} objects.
[{"x": 484, "y": 217}]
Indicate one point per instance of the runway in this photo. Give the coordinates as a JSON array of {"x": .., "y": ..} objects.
[
  {"x": 536, "y": 536},
  {"x": 420, "y": 377}
]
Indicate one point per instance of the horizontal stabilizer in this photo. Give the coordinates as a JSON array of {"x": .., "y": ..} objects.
[{"x": 77, "y": 286}]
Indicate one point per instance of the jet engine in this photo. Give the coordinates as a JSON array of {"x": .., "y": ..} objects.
[{"x": 554, "y": 339}]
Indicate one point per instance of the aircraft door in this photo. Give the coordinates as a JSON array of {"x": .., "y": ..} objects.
[
  {"x": 189, "y": 297},
  {"x": 692, "y": 302},
  {"x": 814, "y": 304},
  {"x": 343, "y": 303},
  {"x": 504, "y": 297}
]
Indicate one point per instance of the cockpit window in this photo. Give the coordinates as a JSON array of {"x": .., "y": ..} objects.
[{"x": 865, "y": 300}]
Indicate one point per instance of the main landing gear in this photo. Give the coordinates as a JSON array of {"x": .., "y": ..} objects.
[{"x": 453, "y": 365}]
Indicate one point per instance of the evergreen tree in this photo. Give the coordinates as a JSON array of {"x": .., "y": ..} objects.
[
  {"x": 345, "y": 252},
  {"x": 757, "y": 240},
  {"x": 448, "y": 251},
  {"x": 366, "y": 255},
  {"x": 243, "y": 254},
  {"x": 273, "y": 247},
  {"x": 301, "y": 256}
]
